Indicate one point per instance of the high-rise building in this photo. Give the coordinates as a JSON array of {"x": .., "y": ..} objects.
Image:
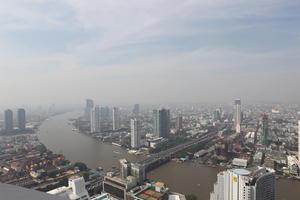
[
  {"x": 116, "y": 118},
  {"x": 299, "y": 141},
  {"x": 8, "y": 120},
  {"x": 136, "y": 110},
  {"x": 217, "y": 114},
  {"x": 21, "y": 119},
  {"x": 244, "y": 184},
  {"x": 138, "y": 171},
  {"x": 95, "y": 120},
  {"x": 237, "y": 115},
  {"x": 179, "y": 123},
  {"x": 76, "y": 190},
  {"x": 265, "y": 130},
  {"x": 135, "y": 133},
  {"x": 88, "y": 109},
  {"x": 125, "y": 168},
  {"x": 161, "y": 123}
]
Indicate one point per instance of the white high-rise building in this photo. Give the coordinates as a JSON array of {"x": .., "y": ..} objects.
[
  {"x": 95, "y": 120},
  {"x": 116, "y": 118},
  {"x": 299, "y": 142},
  {"x": 244, "y": 184},
  {"x": 135, "y": 133},
  {"x": 237, "y": 115},
  {"x": 75, "y": 191}
]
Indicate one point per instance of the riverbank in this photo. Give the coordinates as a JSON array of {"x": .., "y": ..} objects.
[{"x": 187, "y": 177}]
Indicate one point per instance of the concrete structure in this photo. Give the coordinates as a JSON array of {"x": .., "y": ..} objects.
[
  {"x": 88, "y": 109},
  {"x": 75, "y": 191},
  {"x": 244, "y": 184},
  {"x": 13, "y": 192},
  {"x": 125, "y": 168},
  {"x": 8, "y": 120},
  {"x": 135, "y": 133},
  {"x": 138, "y": 171},
  {"x": 299, "y": 141},
  {"x": 237, "y": 115},
  {"x": 118, "y": 187},
  {"x": 136, "y": 110},
  {"x": 21, "y": 119},
  {"x": 179, "y": 123},
  {"x": 240, "y": 162},
  {"x": 161, "y": 123},
  {"x": 265, "y": 130},
  {"x": 116, "y": 118},
  {"x": 95, "y": 122}
]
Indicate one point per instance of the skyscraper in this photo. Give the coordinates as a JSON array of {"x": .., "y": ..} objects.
[
  {"x": 95, "y": 120},
  {"x": 265, "y": 130},
  {"x": 8, "y": 120},
  {"x": 161, "y": 123},
  {"x": 88, "y": 109},
  {"x": 116, "y": 118},
  {"x": 135, "y": 133},
  {"x": 244, "y": 184},
  {"x": 237, "y": 115},
  {"x": 136, "y": 110},
  {"x": 125, "y": 168},
  {"x": 179, "y": 123},
  {"x": 138, "y": 171},
  {"x": 299, "y": 141},
  {"x": 21, "y": 119}
]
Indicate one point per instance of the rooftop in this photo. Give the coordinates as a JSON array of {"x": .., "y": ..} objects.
[{"x": 12, "y": 192}]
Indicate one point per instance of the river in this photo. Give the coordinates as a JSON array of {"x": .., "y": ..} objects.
[{"x": 187, "y": 178}]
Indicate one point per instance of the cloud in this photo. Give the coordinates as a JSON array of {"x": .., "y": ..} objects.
[{"x": 151, "y": 51}]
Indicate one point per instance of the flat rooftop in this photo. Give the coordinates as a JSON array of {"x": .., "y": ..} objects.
[{"x": 12, "y": 192}]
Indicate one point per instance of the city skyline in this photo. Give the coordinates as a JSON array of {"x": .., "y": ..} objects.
[{"x": 243, "y": 48}]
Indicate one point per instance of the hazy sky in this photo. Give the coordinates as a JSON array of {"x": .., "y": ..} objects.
[{"x": 148, "y": 51}]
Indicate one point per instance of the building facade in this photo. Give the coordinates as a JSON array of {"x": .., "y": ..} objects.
[
  {"x": 116, "y": 118},
  {"x": 179, "y": 123},
  {"x": 95, "y": 122},
  {"x": 265, "y": 130},
  {"x": 135, "y": 133},
  {"x": 161, "y": 123},
  {"x": 88, "y": 109},
  {"x": 237, "y": 115},
  {"x": 21, "y": 119},
  {"x": 8, "y": 120},
  {"x": 244, "y": 184}
]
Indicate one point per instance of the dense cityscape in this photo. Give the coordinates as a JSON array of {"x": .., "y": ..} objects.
[
  {"x": 252, "y": 145},
  {"x": 150, "y": 100}
]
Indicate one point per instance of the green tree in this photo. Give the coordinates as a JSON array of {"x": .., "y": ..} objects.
[{"x": 81, "y": 166}]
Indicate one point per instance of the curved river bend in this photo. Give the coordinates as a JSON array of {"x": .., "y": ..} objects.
[{"x": 187, "y": 178}]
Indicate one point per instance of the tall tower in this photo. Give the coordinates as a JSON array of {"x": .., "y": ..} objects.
[
  {"x": 299, "y": 141},
  {"x": 88, "y": 109},
  {"x": 237, "y": 115},
  {"x": 21, "y": 119},
  {"x": 265, "y": 130},
  {"x": 95, "y": 120},
  {"x": 136, "y": 110},
  {"x": 135, "y": 133},
  {"x": 8, "y": 120},
  {"x": 179, "y": 123},
  {"x": 138, "y": 171},
  {"x": 125, "y": 168},
  {"x": 161, "y": 123},
  {"x": 244, "y": 184},
  {"x": 116, "y": 118}
]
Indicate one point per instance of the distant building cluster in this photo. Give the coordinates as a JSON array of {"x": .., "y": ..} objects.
[{"x": 9, "y": 122}]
